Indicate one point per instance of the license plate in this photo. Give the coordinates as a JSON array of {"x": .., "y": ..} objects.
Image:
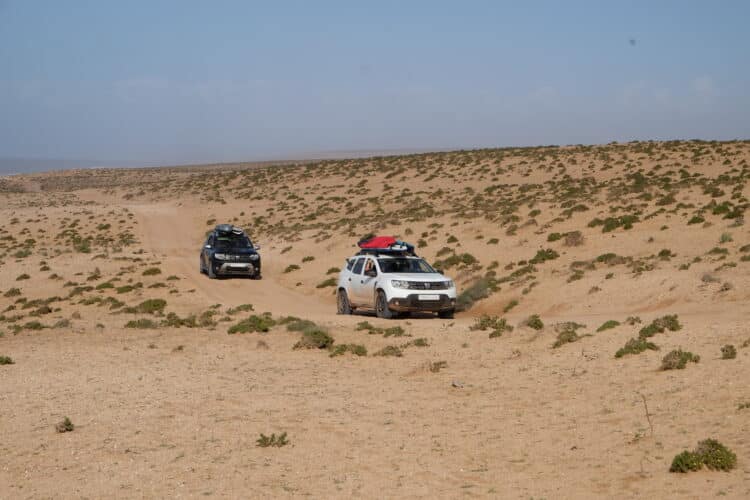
[{"x": 429, "y": 297}]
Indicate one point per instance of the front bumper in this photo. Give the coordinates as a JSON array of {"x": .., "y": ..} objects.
[
  {"x": 236, "y": 269},
  {"x": 416, "y": 302}
]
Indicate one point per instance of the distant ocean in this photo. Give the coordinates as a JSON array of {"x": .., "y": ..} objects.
[{"x": 11, "y": 166}]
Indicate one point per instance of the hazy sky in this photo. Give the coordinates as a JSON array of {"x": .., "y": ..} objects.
[{"x": 182, "y": 81}]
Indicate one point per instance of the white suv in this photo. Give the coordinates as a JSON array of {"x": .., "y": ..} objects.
[{"x": 392, "y": 284}]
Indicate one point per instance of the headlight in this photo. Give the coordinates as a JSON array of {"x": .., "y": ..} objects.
[
  {"x": 449, "y": 284},
  {"x": 254, "y": 256},
  {"x": 399, "y": 284},
  {"x": 221, "y": 256}
]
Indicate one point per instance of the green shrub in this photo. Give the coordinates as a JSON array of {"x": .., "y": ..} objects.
[
  {"x": 314, "y": 339},
  {"x": 728, "y": 352},
  {"x": 608, "y": 325},
  {"x": 510, "y": 305},
  {"x": 636, "y": 346},
  {"x": 333, "y": 270},
  {"x": 254, "y": 323},
  {"x": 308, "y": 258},
  {"x": 273, "y": 440},
  {"x": 327, "y": 283},
  {"x": 151, "y": 271},
  {"x": 142, "y": 323},
  {"x": 356, "y": 349},
  {"x": 669, "y": 322},
  {"x": 480, "y": 289},
  {"x": 6, "y": 360},
  {"x": 709, "y": 452},
  {"x": 685, "y": 462},
  {"x": 534, "y": 321},
  {"x": 543, "y": 256},
  {"x": 678, "y": 359},
  {"x": 554, "y": 237},
  {"x": 390, "y": 350},
  {"x": 290, "y": 268},
  {"x": 394, "y": 331},
  {"x": 150, "y": 306},
  {"x": 22, "y": 277},
  {"x": 497, "y": 325},
  {"x": 716, "y": 456},
  {"x": 65, "y": 426},
  {"x": 241, "y": 308},
  {"x": 567, "y": 336},
  {"x": 12, "y": 292}
]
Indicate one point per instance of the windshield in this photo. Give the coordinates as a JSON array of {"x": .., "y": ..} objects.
[
  {"x": 403, "y": 265},
  {"x": 232, "y": 241}
]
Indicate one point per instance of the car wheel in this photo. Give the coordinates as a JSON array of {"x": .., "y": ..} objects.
[
  {"x": 211, "y": 273},
  {"x": 342, "y": 303},
  {"x": 200, "y": 265},
  {"x": 448, "y": 314},
  {"x": 381, "y": 307}
]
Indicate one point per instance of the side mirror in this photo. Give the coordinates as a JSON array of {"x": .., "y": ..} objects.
[{"x": 207, "y": 247}]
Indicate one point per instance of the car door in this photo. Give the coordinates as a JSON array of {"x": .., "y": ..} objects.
[
  {"x": 207, "y": 246},
  {"x": 364, "y": 285},
  {"x": 355, "y": 274}
]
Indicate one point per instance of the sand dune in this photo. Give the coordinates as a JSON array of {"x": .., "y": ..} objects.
[{"x": 172, "y": 405}]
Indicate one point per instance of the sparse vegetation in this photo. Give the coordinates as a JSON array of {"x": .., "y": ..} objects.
[
  {"x": 142, "y": 323},
  {"x": 636, "y": 346},
  {"x": 272, "y": 441},
  {"x": 497, "y": 326},
  {"x": 728, "y": 352},
  {"x": 608, "y": 325},
  {"x": 709, "y": 452},
  {"x": 254, "y": 323},
  {"x": 65, "y": 426},
  {"x": 534, "y": 321},
  {"x": 341, "y": 349},
  {"x": 678, "y": 359},
  {"x": 389, "y": 351}
]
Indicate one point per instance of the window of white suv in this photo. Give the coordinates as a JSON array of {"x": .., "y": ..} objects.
[
  {"x": 404, "y": 265},
  {"x": 358, "y": 266}
]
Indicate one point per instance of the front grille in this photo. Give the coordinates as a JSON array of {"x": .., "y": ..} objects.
[
  {"x": 238, "y": 258},
  {"x": 428, "y": 285}
]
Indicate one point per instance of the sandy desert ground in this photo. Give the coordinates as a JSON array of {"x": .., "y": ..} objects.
[{"x": 166, "y": 403}]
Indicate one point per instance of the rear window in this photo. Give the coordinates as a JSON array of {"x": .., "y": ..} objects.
[{"x": 358, "y": 266}]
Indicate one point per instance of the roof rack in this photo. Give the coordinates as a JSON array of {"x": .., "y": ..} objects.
[
  {"x": 385, "y": 245},
  {"x": 229, "y": 228}
]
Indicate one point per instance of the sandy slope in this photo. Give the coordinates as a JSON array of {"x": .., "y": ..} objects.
[{"x": 175, "y": 412}]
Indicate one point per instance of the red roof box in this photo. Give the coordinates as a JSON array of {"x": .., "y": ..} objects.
[{"x": 378, "y": 242}]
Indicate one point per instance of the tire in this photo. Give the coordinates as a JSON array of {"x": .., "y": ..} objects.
[
  {"x": 343, "y": 305},
  {"x": 381, "y": 306},
  {"x": 447, "y": 314},
  {"x": 211, "y": 273},
  {"x": 200, "y": 266}
]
